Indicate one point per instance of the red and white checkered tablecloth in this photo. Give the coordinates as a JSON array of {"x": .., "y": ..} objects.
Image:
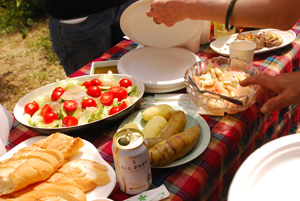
[{"x": 233, "y": 137}]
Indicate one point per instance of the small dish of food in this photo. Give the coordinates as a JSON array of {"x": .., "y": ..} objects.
[
  {"x": 76, "y": 104},
  {"x": 102, "y": 67},
  {"x": 221, "y": 75}
]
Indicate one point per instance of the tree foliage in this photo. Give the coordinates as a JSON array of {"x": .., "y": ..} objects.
[{"x": 20, "y": 15}]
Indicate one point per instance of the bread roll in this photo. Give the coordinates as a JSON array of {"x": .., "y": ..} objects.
[
  {"x": 86, "y": 173},
  {"x": 51, "y": 192},
  {"x": 62, "y": 142},
  {"x": 28, "y": 166}
]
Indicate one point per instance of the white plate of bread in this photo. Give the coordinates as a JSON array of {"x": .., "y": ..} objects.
[{"x": 55, "y": 167}]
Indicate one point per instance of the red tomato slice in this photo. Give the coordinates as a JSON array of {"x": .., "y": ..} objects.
[
  {"x": 94, "y": 91},
  {"x": 59, "y": 89},
  {"x": 87, "y": 84},
  {"x": 107, "y": 98},
  {"x": 118, "y": 92},
  {"x": 31, "y": 108},
  {"x": 70, "y": 105},
  {"x": 125, "y": 83},
  {"x": 114, "y": 110},
  {"x": 49, "y": 117},
  {"x": 96, "y": 82},
  {"x": 123, "y": 106},
  {"x": 56, "y": 95},
  {"x": 88, "y": 103},
  {"x": 46, "y": 109},
  {"x": 69, "y": 121}
]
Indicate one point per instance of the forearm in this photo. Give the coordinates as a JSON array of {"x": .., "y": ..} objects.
[{"x": 248, "y": 13}]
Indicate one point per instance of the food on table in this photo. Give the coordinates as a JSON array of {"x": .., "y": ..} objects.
[
  {"x": 86, "y": 173},
  {"x": 154, "y": 126},
  {"x": 174, "y": 125},
  {"x": 130, "y": 125},
  {"x": 174, "y": 147},
  {"x": 42, "y": 171},
  {"x": 28, "y": 166},
  {"x": 73, "y": 102},
  {"x": 66, "y": 144},
  {"x": 261, "y": 39},
  {"x": 163, "y": 110},
  {"x": 222, "y": 81}
]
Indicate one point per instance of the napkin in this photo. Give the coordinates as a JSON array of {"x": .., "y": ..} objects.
[
  {"x": 6, "y": 121},
  {"x": 153, "y": 195},
  {"x": 176, "y": 99}
]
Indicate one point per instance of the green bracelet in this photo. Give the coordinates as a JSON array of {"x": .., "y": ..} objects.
[{"x": 229, "y": 11}]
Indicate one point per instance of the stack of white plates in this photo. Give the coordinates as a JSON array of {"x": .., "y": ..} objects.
[
  {"x": 166, "y": 52},
  {"x": 270, "y": 173}
]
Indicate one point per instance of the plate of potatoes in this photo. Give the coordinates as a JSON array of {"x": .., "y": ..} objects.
[{"x": 175, "y": 135}]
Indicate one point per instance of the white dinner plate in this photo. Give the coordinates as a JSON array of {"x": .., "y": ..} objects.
[
  {"x": 158, "y": 68},
  {"x": 88, "y": 151},
  {"x": 192, "y": 119},
  {"x": 272, "y": 172},
  {"x": 221, "y": 45},
  {"x": 141, "y": 29}
]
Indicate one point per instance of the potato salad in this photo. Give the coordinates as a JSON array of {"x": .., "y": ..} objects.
[{"x": 224, "y": 82}]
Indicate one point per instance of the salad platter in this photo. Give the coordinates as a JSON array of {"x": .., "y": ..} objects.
[{"x": 41, "y": 123}]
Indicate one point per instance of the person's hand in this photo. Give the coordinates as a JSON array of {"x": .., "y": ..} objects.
[
  {"x": 167, "y": 11},
  {"x": 276, "y": 92}
]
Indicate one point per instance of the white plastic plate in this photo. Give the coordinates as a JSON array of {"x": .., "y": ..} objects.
[
  {"x": 160, "y": 69},
  {"x": 269, "y": 173},
  {"x": 88, "y": 151},
  {"x": 141, "y": 29},
  {"x": 221, "y": 45},
  {"x": 192, "y": 119}
]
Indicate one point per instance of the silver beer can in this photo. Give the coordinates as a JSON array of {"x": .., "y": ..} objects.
[{"x": 132, "y": 164}]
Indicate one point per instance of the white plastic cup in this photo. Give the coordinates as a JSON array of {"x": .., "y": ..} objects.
[{"x": 242, "y": 50}]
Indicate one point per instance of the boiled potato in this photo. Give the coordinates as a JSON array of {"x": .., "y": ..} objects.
[
  {"x": 130, "y": 125},
  {"x": 163, "y": 110},
  {"x": 154, "y": 126}
]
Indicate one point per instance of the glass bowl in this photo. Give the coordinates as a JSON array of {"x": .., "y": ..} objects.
[{"x": 214, "y": 103}]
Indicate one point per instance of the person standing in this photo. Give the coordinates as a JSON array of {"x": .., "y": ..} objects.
[{"x": 81, "y": 31}]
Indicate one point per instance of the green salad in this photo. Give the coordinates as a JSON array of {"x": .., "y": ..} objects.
[{"x": 74, "y": 102}]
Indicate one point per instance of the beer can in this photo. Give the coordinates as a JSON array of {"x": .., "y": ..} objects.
[{"x": 132, "y": 164}]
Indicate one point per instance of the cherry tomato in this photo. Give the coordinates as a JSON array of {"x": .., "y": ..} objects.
[
  {"x": 96, "y": 82},
  {"x": 87, "y": 84},
  {"x": 49, "y": 117},
  {"x": 123, "y": 106},
  {"x": 56, "y": 95},
  {"x": 70, "y": 105},
  {"x": 69, "y": 121},
  {"x": 125, "y": 83},
  {"x": 118, "y": 92},
  {"x": 114, "y": 110},
  {"x": 59, "y": 89},
  {"x": 31, "y": 108},
  {"x": 46, "y": 109},
  {"x": 107, "y": 98},
  {"x": 94, "y": 91},
  {"x": 88, "y": 103}
]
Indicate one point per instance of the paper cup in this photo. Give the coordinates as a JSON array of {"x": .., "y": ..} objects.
[{"x": 242, "y": 50}]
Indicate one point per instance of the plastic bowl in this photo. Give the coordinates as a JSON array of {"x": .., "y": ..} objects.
[{"x": 213, "y": 103}]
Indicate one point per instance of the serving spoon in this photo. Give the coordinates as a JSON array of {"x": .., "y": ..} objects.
[{"x": 232, "y": 100}]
